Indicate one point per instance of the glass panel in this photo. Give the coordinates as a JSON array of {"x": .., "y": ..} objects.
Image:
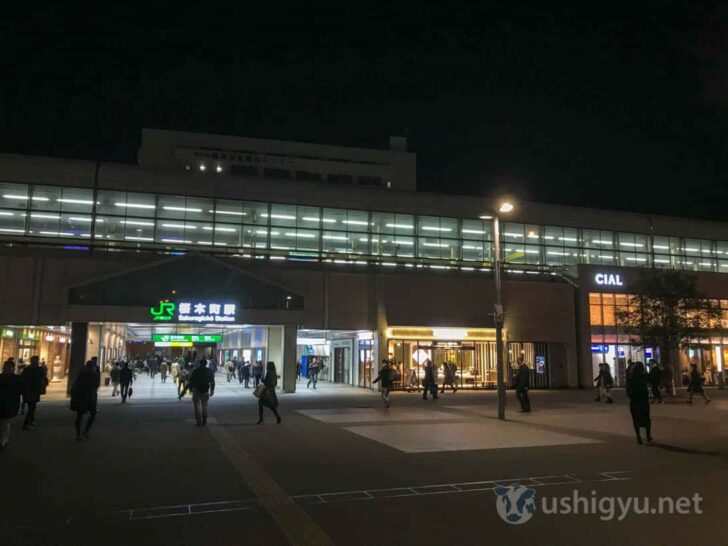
[
  {"x": 308, "y": 217},
  {"x": 357, "y": 220},
  {"x": 477, "y": 230},
  {"x": 335, "y": 241},
  {"x": 404, "y": 246},
  {"x": 334, "y": 219},
  {"x": 107, "y": 202},
  {"x": 46, "y": 198},
  {"x": 569, "y": 238},
  {"x": 14, "y": 196},
  {"x": 472, "y": 250},
  {"x": 256, "y": 213},
  {"x": 283, "y": 215},
  {"x": 77, "y": 200},
  {"x": 229, "y": 211},
  {"x": 382, "y": 222}
]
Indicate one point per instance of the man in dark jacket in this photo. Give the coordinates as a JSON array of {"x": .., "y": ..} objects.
[
  {"x": 521, "y": 384},
  {"x": 34, "y": 382},
  {"x": 202, "y": 385},
  {"x": 84, "y": 396},
  {"x": 386, "y": 377},
  {"x": 10, "y": 389},
  {"x": 125, "y": 379}
]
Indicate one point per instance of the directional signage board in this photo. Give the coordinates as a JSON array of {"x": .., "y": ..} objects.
[{"x": 190, "y": 338}]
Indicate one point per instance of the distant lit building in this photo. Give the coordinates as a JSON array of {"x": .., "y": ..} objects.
[{"x": 308, "y": 253}]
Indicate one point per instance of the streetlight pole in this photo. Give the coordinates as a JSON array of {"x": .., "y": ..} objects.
[{"x": 498, "y": 315}]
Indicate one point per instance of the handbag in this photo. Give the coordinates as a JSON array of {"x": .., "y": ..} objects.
[
  {"x": 129, "y": 392},
  {"x": 260, "y": 390}
]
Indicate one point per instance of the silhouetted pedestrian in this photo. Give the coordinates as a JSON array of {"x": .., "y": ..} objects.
[
  {"x": 521, "y": 384},
  {"x": 449, "y": 371},
  {"x": 125, "y": 380},
  {"x": 257, "y": 372},
  {"x": 313, "y": 372},
  {"x": 269, "y": 399},
  {"x": 654, "y": 378},
  {"x": 386, "y": 377},
  {"x": 10, "y": 389},
  {"x": 639, "y": 400},
  {"x": 695, "y": 385},
  {"x": 34, "y": 382},
  {"x": 429, "y": 383},
  {"x": 202, "y": 384},
  {"x": 84, "y": 397}
]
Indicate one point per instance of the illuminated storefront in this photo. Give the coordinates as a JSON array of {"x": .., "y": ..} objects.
[
  {"x": 609, "y": 343},
  {"x": 472, "y": 350},
  {"x": 49, "y": 343}
]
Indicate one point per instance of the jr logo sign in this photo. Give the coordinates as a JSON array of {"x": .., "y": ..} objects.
[{"x": 163, "y": 313}]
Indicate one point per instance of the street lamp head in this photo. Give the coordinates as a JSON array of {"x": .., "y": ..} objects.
[{"x": 505, "y": 206}]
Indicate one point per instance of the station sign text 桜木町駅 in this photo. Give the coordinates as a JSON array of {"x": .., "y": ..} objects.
[{"x": 194, "y": 311}]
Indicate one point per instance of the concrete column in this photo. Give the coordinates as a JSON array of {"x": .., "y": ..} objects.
[
  {"x": 288, "y": 373},
  {"x": 79, "y": 339}
]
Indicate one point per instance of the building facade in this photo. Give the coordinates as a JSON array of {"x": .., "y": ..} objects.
[{"x": 326, "y": 270}]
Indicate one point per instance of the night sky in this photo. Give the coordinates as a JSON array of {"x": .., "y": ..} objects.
[{"x": 604, "y": 107}]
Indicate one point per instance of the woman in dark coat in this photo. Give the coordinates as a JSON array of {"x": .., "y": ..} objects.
[
  {"x": 84, "y": 397},
  {"x": 639, "y": 400},
  {"x": 269, "y": 398},
  {"x": 695, "y": 385},
  {"x": 10, "y": 389}
]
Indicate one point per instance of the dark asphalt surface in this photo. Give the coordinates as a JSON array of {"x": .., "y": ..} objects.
[{"x": 148, "y": 457}]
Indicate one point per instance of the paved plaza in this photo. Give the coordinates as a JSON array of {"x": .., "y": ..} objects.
[{"x": 342, "y": 469}]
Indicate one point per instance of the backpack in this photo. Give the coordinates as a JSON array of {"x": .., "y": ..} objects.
[{"x": 200, "y": 380}]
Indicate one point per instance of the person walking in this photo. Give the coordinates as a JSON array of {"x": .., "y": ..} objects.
[
  {"x": 115, "y": 374},
  {"x": 605, "y": 382},
  {"x": 598, "y": 382},
  {"x": 34, "y": 382},
  {"x": 245, "y": 370},
  {"x": 163, "y": 370},
  {"x": 229, "y": 370},
  {"x": 639, "y": 400},
  {"x": 10, "y": 389},
  {"x": 202, "y": 385},
  {"x": 654, "y": 378},
  {"x": 695, "y": 385},
  {"x": 521, "y": 384},
  {"x": 386, "y": 377},
  {"x": 269, "y": 399},
  {"x": 238, "y": 364},
  {"x": 429, "y": 383},
  {"x": 84, "y": 397},
  {"x": 313, "y": 371},
  {"x": 257, "y": 372},
  {"x": 182, "y": 377},
  {"x": 125, "y": 380},
  {"x": 668, "y": 380},
  {"x": 449, "y": 371}
]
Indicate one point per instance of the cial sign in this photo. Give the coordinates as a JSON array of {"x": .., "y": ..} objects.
[{"x": 608, "y": 279}]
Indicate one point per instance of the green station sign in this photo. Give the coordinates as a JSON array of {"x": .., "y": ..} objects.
[{"x": 191, "y": 338}]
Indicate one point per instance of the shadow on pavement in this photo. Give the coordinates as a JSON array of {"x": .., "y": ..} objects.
[{"x": 686, "y": 450}]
